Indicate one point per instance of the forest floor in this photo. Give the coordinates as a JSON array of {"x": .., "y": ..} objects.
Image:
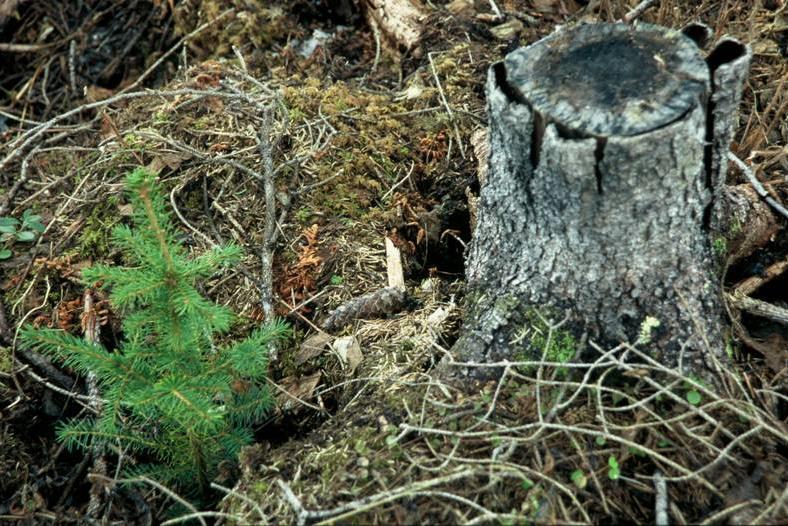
[{"x": 371, "y": 142}]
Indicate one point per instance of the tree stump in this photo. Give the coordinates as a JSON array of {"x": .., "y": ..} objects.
[{"x": 605, "y": 148}]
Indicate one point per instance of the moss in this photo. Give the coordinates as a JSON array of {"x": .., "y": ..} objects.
[
  {"x": 735, "y": 228},
  {"x": 556, "y": 345},
  {"x": 95, "y": 238},
  {"x": 303, "y": 215},
  {"x": 720, "y": 246},
  {"x": 6, "y": 361},
  {"x": 646, "y": 328},
  {"x": 252, "y": 24},
  {"x": 505, "y": 305}
]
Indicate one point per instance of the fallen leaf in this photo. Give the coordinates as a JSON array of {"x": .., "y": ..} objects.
[
  {"x": 300, "y": 387},
  {"x": 349, "y": 351},
  {"x": 170, "y": 160},
  {"x": 97, "y": 93},
  {"x": 312, "y": 347}
]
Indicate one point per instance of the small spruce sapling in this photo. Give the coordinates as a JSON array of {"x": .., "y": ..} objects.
[{"x": 171, "y": 394}]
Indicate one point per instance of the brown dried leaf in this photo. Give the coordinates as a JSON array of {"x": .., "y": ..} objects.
[
  {"x": 312, "y": 347},
  {"x": 301, "y": 387},
  {"x": 171, "y": 160},
  {"x": 97, "y": 93}
]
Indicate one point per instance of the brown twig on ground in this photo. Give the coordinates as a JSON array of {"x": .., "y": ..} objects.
[
  {"x": 749, "y": 285},
  {"x": 90, "y": 329},
  {"x": 21, "y": 143},
  {"x": 174, "y": 48},
  {"x": 759, "y": 308},
  {"x": 748, "y": 173},
  {"x": 269, "y": 228}
]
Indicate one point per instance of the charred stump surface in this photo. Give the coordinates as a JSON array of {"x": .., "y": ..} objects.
[{"x": 604, "y": 172}]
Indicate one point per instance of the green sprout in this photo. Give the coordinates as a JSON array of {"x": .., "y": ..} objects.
[
  {"x": 614, "y": 471},
  {"x": 13, "y": 230}
]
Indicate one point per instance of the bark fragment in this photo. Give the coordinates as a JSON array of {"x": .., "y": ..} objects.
[
  {"x": 377, "y": 304},
  {"x": 399, "y": 20}
]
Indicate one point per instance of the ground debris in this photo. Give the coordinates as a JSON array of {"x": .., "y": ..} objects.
[{"x": 380, "y": 303}]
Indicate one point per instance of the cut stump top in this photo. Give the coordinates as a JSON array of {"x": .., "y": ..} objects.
[{"x": 610, "y": 79}]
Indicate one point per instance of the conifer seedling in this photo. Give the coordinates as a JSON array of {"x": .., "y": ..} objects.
[{"x": 173, "y": 396}]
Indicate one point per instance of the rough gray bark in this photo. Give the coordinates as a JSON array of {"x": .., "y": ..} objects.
[{"x": 599, "y": 194}]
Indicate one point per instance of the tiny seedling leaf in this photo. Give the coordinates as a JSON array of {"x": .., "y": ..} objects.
[
  {"x": 579, "y": 478},
  {"x": 614, "y": 471},
  {"x": 5, "y": 254},
  {"x": 26, "y": 236},
  {"x": 693, "y": 397},
  {"x": 38, "y": 226}
]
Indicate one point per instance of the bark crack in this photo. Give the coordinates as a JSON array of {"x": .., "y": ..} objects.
[{"x": 599, "y": 156}]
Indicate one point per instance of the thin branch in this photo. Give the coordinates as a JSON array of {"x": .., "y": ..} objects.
[
  {"x": 748, "y": 173},
  {"x": 21, "y": 143},
  {"x": 269, "y": 228},
  {"x": 174, "y": 48},
  {"x": 637, "y": 11}
]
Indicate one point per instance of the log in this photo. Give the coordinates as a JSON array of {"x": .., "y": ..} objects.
[{"x": 603, "y": 176}]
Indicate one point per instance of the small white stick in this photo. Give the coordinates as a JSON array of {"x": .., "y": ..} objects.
[
  {"x": 394, "y": 265},
  {"x": 661, "y": 500},
  {"x": 637, "y": 11}
]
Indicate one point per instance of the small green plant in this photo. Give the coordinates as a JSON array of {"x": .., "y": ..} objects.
[
  {"x": 556, "y": 345},
  {"x": 613, "y": 469},
  {"x": 173, "y": 396},
  {"x": 13, "y": 230},
  {"x": 693, "y": 396},
  {"x": 579, "y": 478},
  {"x": 720, "y": 246}
]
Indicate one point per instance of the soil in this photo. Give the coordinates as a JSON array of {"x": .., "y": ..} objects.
[{"x": 370, "y": 140}]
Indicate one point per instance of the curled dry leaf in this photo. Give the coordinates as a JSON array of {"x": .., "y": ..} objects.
[
  {"x": 296, "y": 387},
  {"x": 312, "y": 347},
  {"x": 349, "y": 351}
]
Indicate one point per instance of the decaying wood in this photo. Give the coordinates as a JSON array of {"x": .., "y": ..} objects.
[
  {"x": 759, "y": 308},
  {"x": 480, "y": 141},
  {"x": 750, "y": 285},
  {"x": 399, "y": 20},
  {"x": 747, "y": 222},
  {"x": 740, "y": 297},
  {"x": 600, "y": 192},
  {"x": 377, "y": 304},
  {"x": 729, "y": 63}
]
